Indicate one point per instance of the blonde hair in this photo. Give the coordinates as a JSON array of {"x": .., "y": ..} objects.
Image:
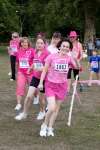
[
  {"x": 23, "y": 39},
  {"x": 15, "y": 34}
]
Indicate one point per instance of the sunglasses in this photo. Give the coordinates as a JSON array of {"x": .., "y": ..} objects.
[
  {"x": 65, "y": 46},
  {"x": 15, "y": 36}
]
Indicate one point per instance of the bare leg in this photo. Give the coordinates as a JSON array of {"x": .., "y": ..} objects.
[
  {"x": 97, "y": 76},
  {"x": 90, "y": 78},
  {"x": 28, "y": 98},
  {"x": 69, "y": 85},
  {"x": 55, "y": 113},
  {"x": 51, "y": 109},
  {"x": 19, "y": 99},
  {"x": 42, "y": 102}
]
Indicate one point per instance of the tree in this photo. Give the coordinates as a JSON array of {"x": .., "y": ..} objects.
[
  {"x": 90, "y": 9},
  {"x": 79, "y": 14},
  {"x": 8, "y": 19},
  {"x": 50, "y": 15}
]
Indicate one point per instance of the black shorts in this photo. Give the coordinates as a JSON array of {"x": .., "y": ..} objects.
[
  {"x": 75, "y": 72},
  {"x": 35, "y": 82}
]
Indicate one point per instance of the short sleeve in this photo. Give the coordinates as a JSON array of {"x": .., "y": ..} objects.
[
  {"x": 46, "y": 53},
  {"x": 48, "y": 60}
]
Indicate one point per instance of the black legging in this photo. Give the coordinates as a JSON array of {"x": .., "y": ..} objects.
[{"x": 13, "y": 66}]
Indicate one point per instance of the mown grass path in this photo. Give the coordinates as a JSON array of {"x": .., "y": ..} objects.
[{"x": 84, "y": 134}]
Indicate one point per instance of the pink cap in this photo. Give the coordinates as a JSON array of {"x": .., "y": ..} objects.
[{"x": 73, "y": 34}]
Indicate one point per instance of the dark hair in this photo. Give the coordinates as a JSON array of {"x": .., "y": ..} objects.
[
  {"x": 56, "y": 35},
  {"x": 95, "y": 50},
  {"x": 42, "y": 38},
  {"x": 22, "y": 40},
  {"x": 40, "y": 34},
  {"x": 64, "y": 40}
]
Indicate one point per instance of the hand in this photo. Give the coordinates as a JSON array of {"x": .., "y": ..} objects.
[
  {"x": 40, "y": 86},
  {"x": 29, "y": 70}
]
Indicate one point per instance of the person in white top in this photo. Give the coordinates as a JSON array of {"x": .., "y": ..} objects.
[{"x": 56, "y": 37}]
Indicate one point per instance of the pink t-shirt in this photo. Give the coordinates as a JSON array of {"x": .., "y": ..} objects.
[
  {"x": 39, "y": 62},
  {"x": 77, "y": 50},
  {"x": 14, "y": 45},
  {"x": 25, "y": 59},
  {"x": 58, "y": 67}
]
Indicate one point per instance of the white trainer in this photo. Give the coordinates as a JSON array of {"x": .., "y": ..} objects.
[
  {"x": 36, "y": 100},
  {"x": 21, "y": 116},
  {"x": 9, "y": 74},
  {"x": 18, "y": 107},
  {"x": 11, "y": 80},
  {"x": 50, "y": 131},
  {"x": 43, "y": 131},
  {"x": 41, "y": 115}
]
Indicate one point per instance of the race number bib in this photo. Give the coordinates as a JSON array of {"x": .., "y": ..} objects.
[
  {"x": 94, "y": 64},
  {"x": 62, "y": 68},
  {"x": 38, "y": 65},
  {"x": 24, "y": 63},
  {"x": 14, "y": 49}
]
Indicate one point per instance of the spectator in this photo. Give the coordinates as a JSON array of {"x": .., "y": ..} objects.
[
  {"x": 90, "y": 47},
  {"x": 97, "y": 43}
]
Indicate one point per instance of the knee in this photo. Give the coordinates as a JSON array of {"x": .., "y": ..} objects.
[
  {"x": 53, "y": 108},
  {"x": 28, "y": 98}
]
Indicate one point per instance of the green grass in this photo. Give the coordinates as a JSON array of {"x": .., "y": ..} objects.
[
  {"x": 3, "y": 50},
  {"x": 84, "y": 133}
]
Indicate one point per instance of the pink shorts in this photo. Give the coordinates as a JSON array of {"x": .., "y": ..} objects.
[
  {"x": 22, "y": 80},
  {"x": 58, "y": 90}
]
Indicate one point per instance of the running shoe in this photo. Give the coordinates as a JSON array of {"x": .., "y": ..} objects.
[
  {"x": 41, "y": 115},
  {"x": 9, "y": 74},
  {"x": 43, "y": 131},
  {"x": 50, "y": 131},
  {"x": 18, "y": 107},
  {"x": 21, "y": 116},
  {"x": 12, "y": 80}
]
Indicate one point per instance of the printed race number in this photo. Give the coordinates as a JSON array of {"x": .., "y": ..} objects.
[
  {"x": 24, "y": 63},
  {"x": 38, "y": 65},
  {"x": 94, "y": 64},
  {"x": 61, "y": 67},
  {"x": 14, "y": 49}
]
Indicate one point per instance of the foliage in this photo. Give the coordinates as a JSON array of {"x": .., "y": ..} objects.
[
  {"x": 29, "y": 17},
  {"x": 8, "y": 19}
]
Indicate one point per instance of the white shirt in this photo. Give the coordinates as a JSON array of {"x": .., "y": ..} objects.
[{"x": 52, "y": 49}]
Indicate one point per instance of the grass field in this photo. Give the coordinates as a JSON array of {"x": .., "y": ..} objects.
[{"x": 84, "y": 133}]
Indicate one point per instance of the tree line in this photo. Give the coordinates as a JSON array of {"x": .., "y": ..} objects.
[{"x": 31, "y": 16}]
